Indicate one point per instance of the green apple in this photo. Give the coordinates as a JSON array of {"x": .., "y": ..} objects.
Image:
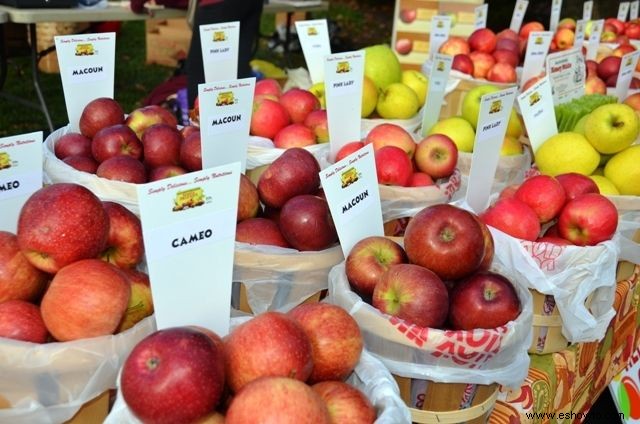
[
  {"x": 471, "y": 109},
  {"x": 457, "y": 129},
  {"x": 612, "y": 127},
  {"x": 382, "y": 65},
  {"x": 317, "y": 90},
  {"x": 579, "y": 127},
  {"x": 397, "y": 101},
  {"x": 418, "y": 83},
  {"x": 369, "y": 97}
]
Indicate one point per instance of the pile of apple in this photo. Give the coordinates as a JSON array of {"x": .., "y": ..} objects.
[
  {"x": 440, "y": 279},
  {"x": 603, "y": 72},
  {"x": 295, "y": 214},
  {"x": 563, "y": 210},
  {"x": 144, "y": 146},
  {"x": 617, "y": 31},
  {"x": 69, "y": 272},
  {"x": 276, "y": 367}
]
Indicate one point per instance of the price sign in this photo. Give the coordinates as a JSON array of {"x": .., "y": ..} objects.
[
  {"x": 314, "y": 40},
  {"x": 578, "y": 39},
  {"x": 633, "y": 10},
  {"x": 623, "y": 10},
  {"x": 219, "y": 44},
  {"x": 567, "y": 74},
  {"x": 625, "y": 74},
  {"x": 587, "y": 9},
  {"x": 594, "y": 39}
]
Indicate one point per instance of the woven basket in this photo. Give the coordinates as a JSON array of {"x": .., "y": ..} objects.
[{"x": 44, "y": 39}]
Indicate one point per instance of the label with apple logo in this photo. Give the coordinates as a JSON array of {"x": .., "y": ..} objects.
[
  {"x": 188, "y": 227},
  {"x": 537, "y": 49},
  {"x": 518, "y": 15},
  {"x": 20, "y": 175},
  {"x": 556, "y": 7},
  {"x": 587, "y": 10},
  {"x": 219, "y": 43},
  {"x": 633, "y": 10},
  {"x": 625, "y": 74},
  {"x": 440, "y": 28},
  {"x": 87, "y": 69},
  {"x": 536, "y": 106},
  {"x": 480, "y": 16},
  {"x": 225, "y": 118},
  {"x": 351, "y": 188},
  {"x": 594, "y": 39},
  {"x": 567, "y": 74},
  {"x": 623, "y": 10},
  {"x": 314, "y": 40},
  {"x": 440, "y": 69}
]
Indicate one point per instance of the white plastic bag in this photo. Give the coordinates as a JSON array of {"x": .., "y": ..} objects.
[
  {"x": 49, "y": 383},
  {"x": 478, "y": 357},
  {"x": 261, "y": 152}
]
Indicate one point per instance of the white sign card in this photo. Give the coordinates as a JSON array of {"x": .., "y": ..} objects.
[
  {"x": 633, "y": 10},
  {"x": 556, "y": 7},
  {"x": 219, "y": 43},
  {"x": 480, "y": 19},
  {"x": 87, "y": 69},
  {"x": 518, "y": 15},
  {"x": 538, "y": 113},
  {"x": 493, "y": 118},
  {"x": 623, "y": 10},
  {"x": 343, "y": 75},
  {"x": 20, "y": 175},
  {"x": 351, "y": 189},
  {"x": 188, "y": 226},
  {"x": 314, "y": 40},
  {"x": 440, "y": 28},
  {"x": 567, "y": 74},
  {"x": 440, "y": 69},
  {"x": 537, "y": 49},
  {"x": 594, "y": 39},
  {"x": 625, "y": 74},
  {"x": 587, "y": 10},
  {"x": 225, "y": 118},
  {"x": 578, "y": 39}
]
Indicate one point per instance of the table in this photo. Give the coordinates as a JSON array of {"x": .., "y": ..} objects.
[{"x": 115, "y": 11}]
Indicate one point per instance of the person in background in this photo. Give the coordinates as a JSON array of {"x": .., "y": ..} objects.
[{"x": 247, "y": 12}]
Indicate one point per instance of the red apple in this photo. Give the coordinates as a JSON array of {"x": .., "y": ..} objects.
[
  {"x": 623, "y": 49},
  {"x": 575, "y": 184},
  {"x": 507, "y": 34},
  {"x": 191, "y": 152},
  {"x": 260, "y": 231},
  {"x": 509, "y": 44},
  {"x": 317, "y": 121},
  {"x": 544, "y": 194},
  {"x": 189, "y": 129},
  {"x": 98, "y": 114},
  {"x": 408, "y": 15},
  {"x": 482, "y": 62},
  {"x": 462, "y": 63},
  {"x": 612, "y": 81},
  {"x": 336, "y": 340},
  {"x": 72, "y": 144},
  {"x": 489, "y": 245},
  {"x": 161, "y": 143},
  {"x": 294, "y": 172},
  {"x": 528, "y": 28},
  {"x": 19, "y": 280},
  {"x": 60, "y": 224},
  {"x": 633, "y": 100},
  {"x": 502, "y": 73},
  {"x": 294, "y": 135},
  {"x": 508, "y": 191},
  {"x": 506, "y": 56},
  {"x": 140, "y": 303},
  {"x": 123, "y": 168},
  {"x": 482, "y": 40},
  {"x": 388, "y": 134},
  {"x": 346, "y": 404},
  {"x": 248, "y": 199},
  {"x": 268, "y": 86},
  {"x": 595, "y": 85},
  {"x": 404, "y": 46},
  {"x": 531, "y": 81},
  {"x": 82, "y": 163},
  {"x": 633, "y": 31},
  {"x": 616, "y": 24},
  {"x": 270, "y": 344},
  {"x": 436, "y": 155},
  {"x": 564, "y": 38},
  {"x": 299, "y": 103},
  {"x": 368, "y": 259},
  {"x": 592, "y": 68},
  {"x": 87, "y": 298},
  {"x": 445, "y": 239},
  {"x": 609, "y": 66},
  {"x": 125, "y": 247},
  {"x": 144, "y": 117},
  {"x": 348, "y": 148},
  {"x": 420, "y": 179},
  {"x": 277, "y": 400},
  {"x": 173, "y": 375},
  {"x": 21, "y": 320},
  {"x": 484, "y": 300},
  {"x": 165, "y": 171},
  {"x": 393, "y": 166},
  {"x": 305, "y": 222},
  {"x": 588, "y": 220},
  {"x": 268, "y": 118},
  {"x": 114, "y": 141},
  {"x": 454, "y": 45},
  {"x": 412, "y": 293},
  {"x": 568, "y": 23},
  {"x": 514, "y": 217}
]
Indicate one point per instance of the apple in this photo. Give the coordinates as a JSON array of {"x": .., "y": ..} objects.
[
  {"x": 260, "y": 97},
  {"x": 633, "y": 100},
  {"x": 404, "y": 46},
  {"x": 165, "y": 171},
  {"x": 418, "y": 83},
  {"x": 369, "y": 97},
  {"x": 268, "y": 86},
  {"x": 393, "y": 166},
  {"x": 445, "y": 239},
  {"x": 506, "y": 56},
  {"x": 508, "y": 44},
  {"x": 268, "y": 118},
  {"x": 608, "y": 37},
  {"x": 348, "y": 148},
  {"x": 270, "y": 344},
  {"x": 575, "y": 184},
  {"x": 588, "y": 220},
  {"x": 568, "y": 23},
  {"x": 142, "y": 118},
  {"x": 420, "y": 179},
  {"x": 98, "y": 114},
  {"x": 482, "y": 62},
  {"x": 336, "y": 340},
  {"x": 82, "y": 163},
  {"x": 611, "y": 128},
  {"x": 594, "y": 85},
  {"x": 454, "y": 45},
  {"x": 191, "y": 152},
  {"x": 528, "y": 28},
  {"x": 346, "y": 403},
  {"x": 161, "y": 143},
  {"x": 622, "y": 39},
  {"x": 389, "y": 134},
  {"x": 175, "y": 366},
  {"x": 617, "y": 24},
  {"x": 633, "y": 31},
  {"x": 483, "y": 300},
  {"x": 189, "y": 129},
  {"x": 408, "y": 15},
  {"x": 508, "y": 191},
  {"x": 87, "y": 298},
  {"x": 318, "y": 90},
  {"x": 125, "y": 247},
  {"x": 318, "y": 123},
  {"x": 544, "y": 194},
  {"x": 608, "y": 67},
  {"x": 457, "y": 129},
  {"x": 397, "y": 101},
  {"x": 123, "y": 168},
  {"x": 305, "y": 222},
  {"x": 368, "y": 259},
  {"x": 140, "y": 303},
  {"x": 260, "y": 231},
  {"x": 591, "y": 67},
  {"x": 19, "y": 280},
  {"x": 623, "y": 49},
  {"x": 299, "y": 103},
  {"x": 463, "y": 63},
  {"x": 437, "y": 156},
  {"x": 511, "y": 146},
  {"x": 503, "y": 73},
  {"x": 508, "y": 34},
  {"x": 72, "y": 144},
  {"x": 60, "y": 224},
  {"x": 514, "y": 217},
  {"x": 294, "y": 135},
  {"x": 482, "y": 40},
  {"x": 21, "y": 320},
  {"x": 248, "y": 199},
  {"x": 279, "y": 400},
  {"x": 115, "y": 140},
  {"x": 294, "y": 172},
  {"x": 412, "y": 293}
]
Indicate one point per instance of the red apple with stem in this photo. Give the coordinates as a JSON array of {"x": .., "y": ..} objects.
[
  {"x": 114, "y": 141},
  {"x": 437, "y": 156},
  {"x": 21, "y": 320},
  {"x": 98, "y": 114},
  {"x": 588, "y": 220},
  {"x": 142, "y": 118}
]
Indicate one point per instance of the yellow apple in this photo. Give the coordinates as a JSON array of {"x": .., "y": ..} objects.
[
  {"x": 605, "y": 185},
  {"x": 418, "y": 83},
  {"x": 382, "y": 65},
  {"x": 317, "y": 90},
  {"x": 457, "y": 129},
  {"x": 623, "y": 170},
  {"x": 511, "y": 146},
  {"x": 397, "y": 101},
  {"x": 567, "y": 152},
  {"x": 369, "y": 97}
]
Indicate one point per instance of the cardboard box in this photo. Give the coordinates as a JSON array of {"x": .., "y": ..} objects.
[{"x": 167, "y": 41}]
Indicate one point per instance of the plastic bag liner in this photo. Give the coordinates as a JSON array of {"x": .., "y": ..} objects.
[
  {"x": 261, "y": 152},
  {"x": 477, "y": 357},
  {"x": 278, "y": 278},
  {"x": 369, "y": 375},
  {"x": 49, "y": 383}
]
